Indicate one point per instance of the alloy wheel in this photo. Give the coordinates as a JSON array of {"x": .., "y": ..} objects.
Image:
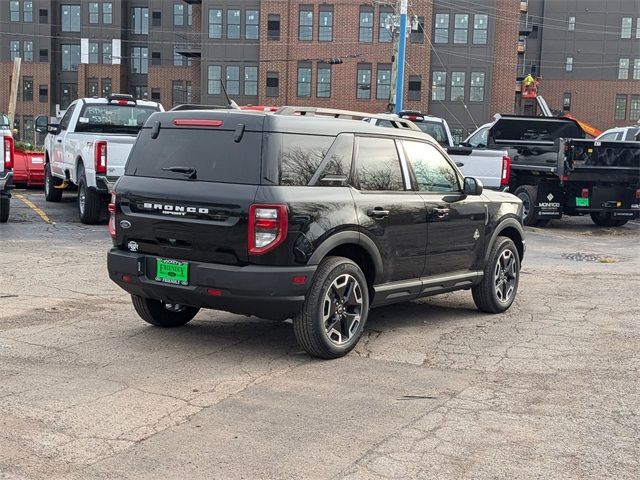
[
  {"x": 342, "y": 309},
  {"x": 505, "y": 276}
]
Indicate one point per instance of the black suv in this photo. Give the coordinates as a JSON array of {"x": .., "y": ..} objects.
[{"x": 318, "y": 219}]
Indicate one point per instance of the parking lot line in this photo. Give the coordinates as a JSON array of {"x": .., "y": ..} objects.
[{"x": 35, "y": 208}]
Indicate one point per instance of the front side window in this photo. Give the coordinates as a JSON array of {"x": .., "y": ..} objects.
[
  {"x": 140, "y": 21},
  {"x": 325, "y": 25},
  {"x": 621, "y": 107},
  {"x": 378, "y": 166},
  {"x": 441, "y": 28},
  {"x": 439, "y": 86},
  {"x": 215, "y": 23},
  {"x": 251, "y": 81},
  {"x": 70, "y": 18},
  {"x": 233, "y": 24},
  {"x": 305, "y": 26},
  {"x": 364, "y": 82},
  {"x": 94, "y": 12},
  {"x": 476, "y": 94},
  {"x": 324, "y": 81},
  {"x": 365, "y": 32},
  {"x": 458, "y": 80},
  {"x": 627, "y": 23},
  {"x": 385, "y": 26},
  {"x": 304, "y": 81},
  {"x": 233, "y": 80},
  {"x": 480, "y": 29},
  {"x": 433, "y": 172},
  {"x": 107, "y": 13},
  {"x": 252, "y": 25},
  {"x": 461, "y": 31},
  {"x": 70, "y": 57},
  {"x": 66, "y": 119},
  {"x": 214, "y": 74},
  {"x": 383, "y": 90},
  {"x": 623, "y": 69}
]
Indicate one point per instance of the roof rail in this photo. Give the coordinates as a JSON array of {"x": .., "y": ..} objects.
[
  {"x": 190, "y": 106},
  {"x": 346, "y": 115}
]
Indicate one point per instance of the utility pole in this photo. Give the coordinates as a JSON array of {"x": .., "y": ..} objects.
[
  {"x": 13, "y": 97},
  {"x": 400, "y": 59}
]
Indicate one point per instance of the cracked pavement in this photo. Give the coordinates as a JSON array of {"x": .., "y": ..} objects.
[{"x": 435, "y": 389}]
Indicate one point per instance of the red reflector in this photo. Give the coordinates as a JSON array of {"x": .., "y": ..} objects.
[
  {"x": 196, "y": 122},
  {"x": 564, "y": 178},
  {"x": 127, "y": 278},
  {"x": 299, "y": 280},
  {"x": 214, "y": 292},
  {"x": 585, "y": 193}
]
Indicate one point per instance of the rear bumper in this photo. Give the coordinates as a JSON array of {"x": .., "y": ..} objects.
[
  {"x": 266, "y": 292},
  {"x": 6, "y": 182},
  {"x": 104, "y": 185}
]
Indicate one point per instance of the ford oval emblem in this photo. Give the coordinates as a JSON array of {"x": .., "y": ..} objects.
[{"x": 125, "y": 224}]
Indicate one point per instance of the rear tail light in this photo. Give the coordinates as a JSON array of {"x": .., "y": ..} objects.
[
  {"x": 8, "y": 153},
  {"x": 506, "y": 171},
  {"x": 585, "y": 193},
  {"x": 197, "y": 122},
  {"x": 113, "y": 208},
  {"x": 100, "y": 152},
  {"x": 268, "y": 226}
]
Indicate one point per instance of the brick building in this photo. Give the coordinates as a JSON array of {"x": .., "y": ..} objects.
[{"x": 464, "y": 57}]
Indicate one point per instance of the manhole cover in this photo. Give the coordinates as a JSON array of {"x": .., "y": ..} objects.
[{"x": 590, "y": 257}]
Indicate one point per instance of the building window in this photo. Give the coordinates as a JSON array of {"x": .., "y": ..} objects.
[
  {"x": 273, "y": 84},
  {"x": 636, "y": 68},
  {"x": 140, "y": 92},
  {"x": 476, "y": 93},
  {"x": 480, "y": 29},
  {"x": 439, "y": 86},
  {"x": 93, "y": 52},
  {"x": 415, "y": 88},
  {"x": 92, "y": 87},
  {"x": 458, "y": 80},
  {"x": 304, "y": 80},
  {"x": 365, "y": 34},
  {"x": 634, "y": 110},
  {"x": 178, "y": 92},
  {"x": 233, "y": 80},
  {"x": 14, "y": 49},
  {"x": 156, "y": 19},
  {"x": 273, "y": 27},
  {"x": 70, "y": 57},
  {"x": 44, "y": 15},
  {"x": 107, "y": 13},
  {"x": 621, "y": 107},
  {"x": 383, "y": 83},
  {"x": 44, "y": 55},
  {"x": 43, "y": 93},
  {"x": 325, "y": 24},
  {"x": 252, "y": 25},
  {"x": 27, "y": 55},
  {"x": 323, "y": 86},
  {"x": 385, "y": 26},
  {"x": 156, "y": 58},
  {"x": 569, "y": 64},
  {"x": 106, "y": 53},
  {"x": 638, "y": 27},
  {"x": 233, "y": 24},
  {"x": 94, "y": 15},
  {"x": 215, "y": 23},
  {"x": 305, "y": 23},
  {"x": 251, "y": 81},
  {"x": 106, "y": 87},
  {"x": 178, "y": 60},
  {"x": 140, "y": 20},
  {"x": 140, "y": 60},
  {"x": 623, "y": 69},
  {"x": 29, "y": 130},
  {"x": 364, "y": 82},
  {"x": 417, "y": 35},
  {"x": 178, "y": 14},
  {"x": 627, "y": 23},
  {"x": 27, "y": 89},
  {"x": 155, "y": 94},
  {"x": 572, "y": 24},
  {"x": 214, "y": 74},
  {"x": 442, "y": 28},
  {"x": 566, "y": 102},
  {"x": 190, "y": 23},
  {"x": 27, "y": 7},
  {"x": 461, "y": 30},
  {"x": 14, "y": 10},
  {"x": 70, "y": 18}
]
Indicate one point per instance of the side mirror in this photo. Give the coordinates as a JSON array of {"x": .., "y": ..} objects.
[
  {"x": 472, "y": 186},
  {"x": 53, "y": 128}
]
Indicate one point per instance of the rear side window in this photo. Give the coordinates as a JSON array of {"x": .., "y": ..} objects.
[
  {"x": 378, "y": 166},
  {"x": 301, "y": 155},
  {"x": 432, "y": 170},
  {"x": 436, "y": 130},
  {"x": 212, "y": 153}
]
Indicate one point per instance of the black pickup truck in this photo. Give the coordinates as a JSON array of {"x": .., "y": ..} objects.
[{"x": 555, "y": 171}]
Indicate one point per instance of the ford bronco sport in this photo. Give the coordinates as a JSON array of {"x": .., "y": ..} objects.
[{"x": 318, "y": 219}]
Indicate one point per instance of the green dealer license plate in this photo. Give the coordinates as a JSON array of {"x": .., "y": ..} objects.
[
  {"x": 582, "y": 202},
  {"x": 172, "y": 271}
]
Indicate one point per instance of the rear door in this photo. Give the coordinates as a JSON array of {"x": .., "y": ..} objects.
[
  {"x": 389, "y": 212},
  {"x": 188, "y": 186},
  {"x": 455, "y": 222}
]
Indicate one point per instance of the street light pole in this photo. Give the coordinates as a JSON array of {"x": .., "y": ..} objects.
[{"x": 400, "y": 59}]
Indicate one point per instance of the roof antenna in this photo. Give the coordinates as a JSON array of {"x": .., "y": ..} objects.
[{"x": 230, "y": 102}]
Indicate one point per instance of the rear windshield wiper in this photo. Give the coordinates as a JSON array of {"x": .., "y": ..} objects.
[{"x": 189, "y": 171}]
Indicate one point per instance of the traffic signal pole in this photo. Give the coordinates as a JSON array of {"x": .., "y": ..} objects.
[{"x": 400, "y": 59}]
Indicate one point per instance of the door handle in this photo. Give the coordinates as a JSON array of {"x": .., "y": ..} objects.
[
  {"x": 59, "y": 140},
  {"x": 440, "y": 212},
  {"x": 378, "y": 212}
]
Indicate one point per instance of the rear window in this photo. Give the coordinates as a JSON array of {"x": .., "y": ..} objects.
[
  {"x": 212, "y": 154},
  {"x": 436, "y": 130},
  {"x": 109, "y": 118}
]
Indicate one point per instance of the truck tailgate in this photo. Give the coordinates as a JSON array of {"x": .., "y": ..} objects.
[
  {"x": 485, "y": 165},
  {"x": 118, "y": 149}
]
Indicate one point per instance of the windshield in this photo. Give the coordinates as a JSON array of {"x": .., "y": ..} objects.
[
  {"x": 108, "y": 118},
  {"x": 436, "y": 130}
]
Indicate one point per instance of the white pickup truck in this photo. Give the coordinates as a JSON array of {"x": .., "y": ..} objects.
[
  {"x": 6, "y": 168},
  {"x": 89, "y": 148}
]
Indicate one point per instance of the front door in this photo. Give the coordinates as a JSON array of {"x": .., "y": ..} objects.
[
  {"x": 455, "y": 222},
  {"x": 58, "y": 142},
  {"x": 389, "y": 213}
]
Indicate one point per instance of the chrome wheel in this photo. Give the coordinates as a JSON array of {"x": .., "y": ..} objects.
[
  {"x": 506, "y": 276},
  {"x": 342, "y": 309}
]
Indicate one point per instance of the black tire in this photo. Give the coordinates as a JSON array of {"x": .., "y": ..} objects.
[
  {"x": 528, "y": 195},
  {"x": 162, "y": 314},
  {"x": 603, "y": 219},
  {"x": 51, "y": 194},
  {"x": 542, "y": 223},
  {"x": 5, "y": 207},
  {"x": 497, "y": 279},
  {"x": 89, "y": 201},
  {"x": 324, "y": 319}
]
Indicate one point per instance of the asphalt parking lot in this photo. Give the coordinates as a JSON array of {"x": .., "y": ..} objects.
[{"x": 435, "y": 389}]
